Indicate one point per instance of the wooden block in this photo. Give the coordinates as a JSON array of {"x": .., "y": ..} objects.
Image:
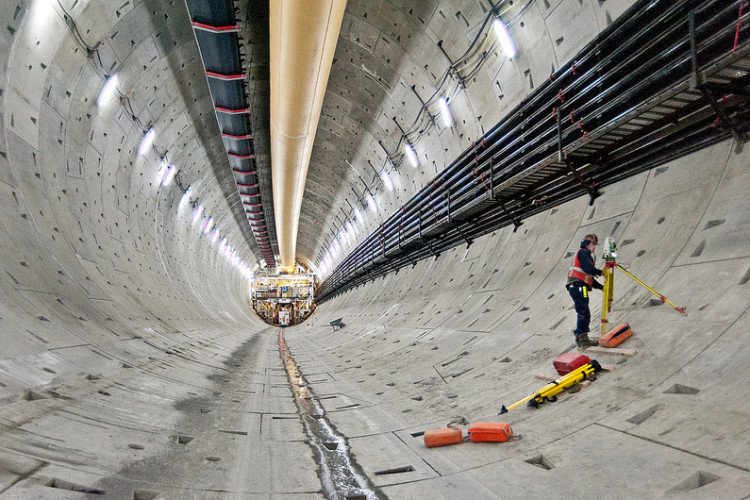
[
  {"x": 551, "y": 378},
  {"x": 609, "y": 350}
]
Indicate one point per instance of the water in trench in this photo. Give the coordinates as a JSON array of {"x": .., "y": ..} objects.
[{"x": 340, "y": 475}]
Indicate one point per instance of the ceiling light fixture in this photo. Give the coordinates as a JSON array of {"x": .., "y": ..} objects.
[
  {"x": 108, "y": 91},
  {"x": 371, "y": 203},
  {"x": 386, "y": 180},
  {"x": 197, "y": 214},
  {"x": 146, "y": 142},
  {"x": 185, "y": 198},
  {"x": 509, "y": 49},
  {"x": 445, "y": 112},
  {"x": 411, "y": 155},
  {"x": 170, "y": 176}
]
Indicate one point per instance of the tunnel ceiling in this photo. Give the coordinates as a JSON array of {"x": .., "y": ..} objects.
[{"x": 393, "y": 61}]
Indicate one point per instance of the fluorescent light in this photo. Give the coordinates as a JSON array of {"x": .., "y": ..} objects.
[
  {"x": 505, "y": 41},
  {"x": 170, "y": 175},
  {"x": 146, "y": 142},
  {"x": 351, "y": 229},
  {"x": 208, "y": 225},
  {"x": 411, "y": 155},
  {"x": 197, "y": 214},
  {"x": 358, "y": 214},
  {"x": 185, "y": 198},
  {"x": 371, "y": 202},
  {"x": 108, "y": 91},
  {"x": 445, "y": 113},
  {"x": 222, "y": 245},
  {"x": 215, "y": 236},
  {"x": 386, "y": 180},
  {"x": 162, "y": 172}
]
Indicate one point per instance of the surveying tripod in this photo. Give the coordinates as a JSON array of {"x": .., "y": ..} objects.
[{"x": 610, "y": 256}]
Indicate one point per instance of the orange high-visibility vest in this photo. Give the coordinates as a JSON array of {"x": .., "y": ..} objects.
[{"x": 576, "y": 272}]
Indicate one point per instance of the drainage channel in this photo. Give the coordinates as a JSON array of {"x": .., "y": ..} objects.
[{"x": 340, "y": 475}]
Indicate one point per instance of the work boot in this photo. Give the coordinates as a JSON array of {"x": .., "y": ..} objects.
[{"x": 583, "y": 341}]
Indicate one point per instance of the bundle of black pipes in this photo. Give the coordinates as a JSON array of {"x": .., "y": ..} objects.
[{"x": 665, "y": 80}]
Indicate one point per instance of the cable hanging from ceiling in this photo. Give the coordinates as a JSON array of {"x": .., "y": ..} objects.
[{"x": 471, "y": 61}]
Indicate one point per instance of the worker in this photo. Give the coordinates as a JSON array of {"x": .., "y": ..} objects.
[{"x": 580, "y": 281}]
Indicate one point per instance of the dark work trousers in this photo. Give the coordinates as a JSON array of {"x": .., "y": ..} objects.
[{"x": 580, "y": 295}]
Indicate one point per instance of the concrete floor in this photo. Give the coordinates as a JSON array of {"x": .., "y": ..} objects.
[
  {"x": 131, "y": 365},
  {"x": 463, "y": 335}
]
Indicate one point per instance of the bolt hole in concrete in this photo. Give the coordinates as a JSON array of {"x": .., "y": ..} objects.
[
  {"x": 32, "y": 396},
  {"x": 681, "y": 389},
  {"x": 213, "y": 459},
  {"x": 695, "y": 481},
  {"x": 145, "y": 495},
  {"x": 184, "y": 439},
  {"x": 541, "y": 462},
  {"x": 133, "y": 446},
  {"x": 61, "y": 484},
  {"x": 641, "y": 417},
  {"x": 397, "y": 470},
  {"x": 339, "y": 473}
]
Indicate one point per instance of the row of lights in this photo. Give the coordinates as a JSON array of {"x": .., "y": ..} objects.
[
  {"x": 348, "y": 235},
  {"x": 164, "y": 177},
  {"x": 167, "y": 172}
]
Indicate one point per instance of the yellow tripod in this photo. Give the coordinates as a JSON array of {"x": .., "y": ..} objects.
[
  {"x": 610, "y": 255},
  {"x": 549, "y": 391}
]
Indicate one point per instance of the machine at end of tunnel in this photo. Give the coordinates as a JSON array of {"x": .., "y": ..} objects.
[{"x": 283, "y": 298}]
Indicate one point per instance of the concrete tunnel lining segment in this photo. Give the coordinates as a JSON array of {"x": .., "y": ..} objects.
[{"x": 130, "y": 363}]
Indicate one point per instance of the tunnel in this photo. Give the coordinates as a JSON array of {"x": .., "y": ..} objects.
[{"x": 132, "y": 365}]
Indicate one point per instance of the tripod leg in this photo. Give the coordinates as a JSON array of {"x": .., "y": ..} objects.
[
  {"x": 606, "y": 298},
  {"x": 644, "y": 285}
]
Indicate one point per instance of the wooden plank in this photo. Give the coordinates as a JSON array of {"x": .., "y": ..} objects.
[
  {"x": 610, "y": 350},
  {"x": 549, "y": 378}
]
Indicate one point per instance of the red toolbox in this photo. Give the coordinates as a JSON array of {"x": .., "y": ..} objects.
[
  {"x": 442, "y": 437},
  {"x": 566, "y": 363},
  {"x": 494, "y": 432},
  {"x": 616, "y": 336}
]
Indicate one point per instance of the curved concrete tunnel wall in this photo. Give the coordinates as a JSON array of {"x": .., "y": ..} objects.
[
  {"x": 130, "y": 363},
  {"x": 107, "y": 285},
  {"x": 455, "y": 338}
]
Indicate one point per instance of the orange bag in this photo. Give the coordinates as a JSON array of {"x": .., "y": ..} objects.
[
  {"x": 489, "y": 432},
  {"x": 616, "y": 336},
  {"x": 442, "y": 437}
]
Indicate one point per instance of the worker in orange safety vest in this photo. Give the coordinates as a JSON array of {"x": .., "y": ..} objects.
[{"x": 580, "y": 280}]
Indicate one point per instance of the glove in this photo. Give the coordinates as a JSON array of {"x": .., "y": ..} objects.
[{"x": 597, "y": 285}]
